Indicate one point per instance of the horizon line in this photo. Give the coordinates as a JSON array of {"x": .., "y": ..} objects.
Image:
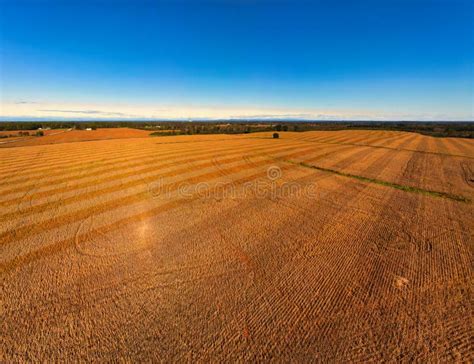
[{"x": 233, "y": 120}]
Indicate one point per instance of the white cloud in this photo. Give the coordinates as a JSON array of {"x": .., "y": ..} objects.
[{"x": 75, "y": 111}]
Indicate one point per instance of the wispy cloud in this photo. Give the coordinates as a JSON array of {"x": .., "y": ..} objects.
[
  {"x": 39, "y": 110},
  {"x": 274, "y": 116},
  {"x": 23, "y": 102},
  {"x": 88, "y": 112}
]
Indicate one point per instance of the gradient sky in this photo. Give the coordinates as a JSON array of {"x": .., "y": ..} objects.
[{"x": 338, "y": 59}]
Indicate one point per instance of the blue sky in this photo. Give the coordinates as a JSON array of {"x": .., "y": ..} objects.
[{"x": 366, "y": 59}]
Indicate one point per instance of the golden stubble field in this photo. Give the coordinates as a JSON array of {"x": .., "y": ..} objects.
[{"x": 318, "y": 246}]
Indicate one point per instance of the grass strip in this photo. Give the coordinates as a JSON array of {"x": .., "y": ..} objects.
[{"x": 397, "y": 186}]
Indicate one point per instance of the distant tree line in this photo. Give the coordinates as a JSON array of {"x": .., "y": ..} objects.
[
  {"x": 22, "y": 134},
  {"x": 162, "y": 128},
  {"x": 435, "y": 129}
]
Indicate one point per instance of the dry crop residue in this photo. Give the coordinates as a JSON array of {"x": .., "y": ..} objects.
[{"x": 356, "y": 247}]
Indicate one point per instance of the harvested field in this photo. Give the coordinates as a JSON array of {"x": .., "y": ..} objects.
[
  {"x": 328, "y": 246},
  {"x": 31, "y": 132},
  {"x": 68, "y": 136},
  {"x": 19, "y": 137}
]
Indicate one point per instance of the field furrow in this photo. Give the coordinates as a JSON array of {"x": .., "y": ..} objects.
[{"x": 331, "y": 246}]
